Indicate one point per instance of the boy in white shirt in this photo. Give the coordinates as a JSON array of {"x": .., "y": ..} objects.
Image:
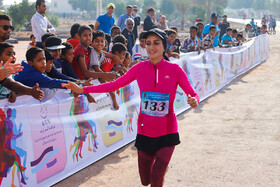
[{"x": 139, "y": 51}]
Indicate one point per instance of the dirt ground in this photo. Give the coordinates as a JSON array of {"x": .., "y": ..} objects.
[{"x": 231, "y": 139}]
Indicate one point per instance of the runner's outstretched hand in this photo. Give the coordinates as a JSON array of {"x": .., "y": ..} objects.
[{"x": 192, "y": 101}]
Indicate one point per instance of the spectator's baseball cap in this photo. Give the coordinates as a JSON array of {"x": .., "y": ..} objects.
[
  {"x": 213, "y": 15},
  {"x": 128, "y": 6},
  {"x": 111, "y": 5},
  {"x": 53, "y": 42},
  {"x": 224, "y": 16},
  {"x": 158, "y": 32}
]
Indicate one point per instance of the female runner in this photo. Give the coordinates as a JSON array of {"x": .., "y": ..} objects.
[{"x": 157, "y": 131}]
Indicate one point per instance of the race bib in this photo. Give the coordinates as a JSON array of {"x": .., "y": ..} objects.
[{"x": 154, "y": 104}]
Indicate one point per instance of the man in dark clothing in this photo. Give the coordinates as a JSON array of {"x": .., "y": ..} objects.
[
  {"x": 137, "y": 20},
  {"x": 223, "y": 25},
  {"x": 128, "y": 34},
  {"x": 148, "y": 21}
]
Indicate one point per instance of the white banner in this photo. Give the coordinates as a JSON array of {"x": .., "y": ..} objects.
[{"x": 44, "y": 142}]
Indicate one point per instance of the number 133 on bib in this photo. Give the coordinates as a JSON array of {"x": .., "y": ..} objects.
[{"x": 154, "y": 104}]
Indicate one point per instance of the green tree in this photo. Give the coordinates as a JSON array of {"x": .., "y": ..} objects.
[
  {"x": 21, "y": 13},
  {"x": 167, "y": 7},
  {"x": 182, "y": 6},
  {"x": 200, "y": 13},
  {"x": 120, "y": 8},
  {"x": 219, "y": 10},
  {"x": 211, "y": 5},
  {"x": 54, "y": 19},
  {"x": 84, "y": 5}
]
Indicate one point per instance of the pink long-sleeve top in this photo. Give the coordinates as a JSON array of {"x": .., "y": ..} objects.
[{"x": 163, "y": 77}]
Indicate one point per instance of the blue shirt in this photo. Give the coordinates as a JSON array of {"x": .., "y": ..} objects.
[
  {"x": 252, "y": 23},
  {"x": 206, "y": 31},
  {"x": 30, "y": 76},
  {"x": 121, "y": 20},
  {"x": 226, "y": 37},
  {"x": 106, "y": 23},
  {"x": 201, "y": 39},
  {"x": 67, "y": 68},
  {"x": 169, "y": 47}
]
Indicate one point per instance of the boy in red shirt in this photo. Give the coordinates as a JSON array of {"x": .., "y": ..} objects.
[{"x": 118, "y": 49}]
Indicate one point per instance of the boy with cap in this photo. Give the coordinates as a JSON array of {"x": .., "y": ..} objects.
[
  {"x": 54, "y": 46},
  {"x": 106, "y": 21},
  {"x": 214, "y": 20},
  {"x": 66, "y": 60},
  {"x": 64, "y": 65}
]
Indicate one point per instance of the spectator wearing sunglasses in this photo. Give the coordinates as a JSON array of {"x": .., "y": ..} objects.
[
  {"x": 137, "y": 20},
  {"x": 6, "y": 27}
]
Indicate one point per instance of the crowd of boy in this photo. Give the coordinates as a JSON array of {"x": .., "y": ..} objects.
[
  {"x": 103, "y": 51},
  {"x": 220, "y": 34}
]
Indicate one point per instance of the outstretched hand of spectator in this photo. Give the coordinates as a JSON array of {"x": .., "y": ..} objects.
[
  {"x": 117, "y": 59},
  {"x": 73, "y": 86},
  {"x": 12, "y": 97},
  {"x": 37, "y": 93},
  {"x": 88, "y": 82},
  {"x": 175, "y": 55},
  {"x": 111, "y": 76},
  {"x": 90, "y": 98},
  {"x": 4, "y": 73}
]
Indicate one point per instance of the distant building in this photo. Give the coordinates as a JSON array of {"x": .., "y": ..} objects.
[
  {"x": 1, "y": 3},
  {"x": 62, "y": 8}
]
